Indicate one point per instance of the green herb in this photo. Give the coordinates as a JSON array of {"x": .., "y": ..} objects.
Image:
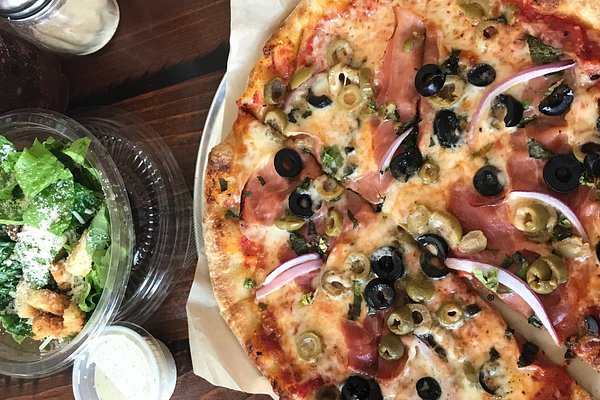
[
  {"x": 292, "y": 115},
  {"x": 320, "y": 244},
  {"x": 355, "y": 222},
  {"x": 591, "y": 182},
  {"x": 305, "y": 184},
  {"x": 261, "y": 180},
  {"x": 223, "y": 184},
  {"x": 526, "y": 121},
  {"x": 411, "y": 140},
  {"x": 312, "y": 230},
  {"x": 247, "y": 193},
  {"x": 19, "y": 328},
  {"x": 354, "y": 308},
  {"x": 450, "y": 66},
  {"x": 307, "y": 298},
  {"x": 527, "y": 103},
  {"x": 262, "y": 307},
  {"x": 516, "y": 258},
  {"x": 306, "y": 114},
  {"x": 483, "y": 151},
  {"x": 298, "y": 243},
  {"x": 540, "y": 52},
  {"x": 249, "y": 283},
  {"x": 332, "y": 159},
  {"x": 562, "y": 229},
  {"x": 232, "y": 214},
  {"x": 537, "y": 150},
  {"x": 490, "y": 281},
  {"x": 411, "y": 42},
  {"x": 535, "y": 321},
  {"x": 553, "y": 87}
]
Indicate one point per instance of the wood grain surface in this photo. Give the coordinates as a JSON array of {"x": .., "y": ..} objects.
[{"x": 163, "y": 65}]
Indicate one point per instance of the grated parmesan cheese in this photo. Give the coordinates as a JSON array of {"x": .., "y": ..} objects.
[{"x": 35, "y": 250}]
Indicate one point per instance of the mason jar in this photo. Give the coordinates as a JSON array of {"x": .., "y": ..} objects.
[{"x": 63, "y": 26}]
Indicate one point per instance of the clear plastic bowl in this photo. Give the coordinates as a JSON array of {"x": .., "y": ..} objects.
[{"x": 27, "y": 360}]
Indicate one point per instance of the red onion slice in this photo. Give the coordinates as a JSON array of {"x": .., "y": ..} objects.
[
  {"x": 557, "y": 204},
  {"x": 389, "y": 154},
  {"x": 289, "y": 264},
  {"x": 520, "y": 77},
  {"x": 286, "y": 277},
  {"x": 512, "y": 282}
]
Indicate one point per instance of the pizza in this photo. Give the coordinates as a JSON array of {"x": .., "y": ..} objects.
[{"x": 397, "y": 168}]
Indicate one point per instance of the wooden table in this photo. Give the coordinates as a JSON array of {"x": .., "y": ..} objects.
[{"x": 163, "y": 65}]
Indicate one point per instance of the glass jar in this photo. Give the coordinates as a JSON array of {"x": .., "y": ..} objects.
[{"x": 64, "y": 26}]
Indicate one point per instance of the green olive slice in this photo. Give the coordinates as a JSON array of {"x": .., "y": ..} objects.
[
  {"x": 350, "y": 97},
  {"x": 341, "y": 75},
  {"x": 421, "y": 318},
  {"x": 301, "y": 76},
  {"x": 309, "y": 345},
  {"x": 336, "y": 284},
  {"x": 328, "y": 188},
  {"x": 418, "y": 220},
  {"x": 334, "y": 224},
  {"x": 401, "y": 321},
  {"x": 447, "y": 226},
  {"x": 328, "y": 392},
  {"x": 339, "y": 51},
  {"x": 475, "y": 9},
  {"x": 571, "y": 248},
  {"x": 450, "y": 93},
  {"x": 429, "y": 173},
  {"x": 473, "y": 242},
  {"x": 275, "y": 90},
  {"x": 391, "y": 348},
  {"x": 359, "y": 265},
  {"x": 276, "y": 119},
  {"x": 450, "y": 314},
  {"x": 420, "y": 289},
  {"x": 546, "y": 273},
  {"x": 289, "y": 223},
  {"x": 530, "y": 217}
]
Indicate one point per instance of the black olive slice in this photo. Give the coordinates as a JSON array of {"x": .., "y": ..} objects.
[
  {"x": 379, "y": 294},
  {"x": 429, "y": 80},
  {"x": 528, "y": 354},
  {"x": 406, "y": 164},
  {"x": 318, "y": 101},
  {"x": 514, "y": 110},
  {"x": 487, "y": 181},
  {"x": 359, "y": 388},
  {"x": 592, "y": 326},
  {"x": 386, "y": 263},
  {"x": 481, "y": 75},
  {"x": 562, "y": 173},
  {"x": 433, "y": 266},
  {"x": 558, "y": 102},
  {"x": 591, "y": 163},
  {"x": 590, "y": 147},
  {"x": 487, "y": 382},
  {"x": 428, "y": 388},
  {"x": 300, "y": 204},
  {"x": 288, "y": 163},
  {"x": 434, "y": 244},
  {"x": 446, "y": 127},
  {"x": 472, "y": 309},
  {"x": 328, "y": 392}
]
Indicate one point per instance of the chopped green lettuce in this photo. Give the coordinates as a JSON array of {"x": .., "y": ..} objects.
[
  {"x": 6, "y": 148},
  {"x": 490, "y": 280},
  {"x": 19, "y": 328},
  {"x": 10, "y": 274},
  {"x": 11, "y": 211},
  {"x": 36, "y": 169},
  {"x": 77, "y": 150}
]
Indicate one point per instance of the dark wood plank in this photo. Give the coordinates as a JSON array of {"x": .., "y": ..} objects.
[{"x": 151, "y": 35}]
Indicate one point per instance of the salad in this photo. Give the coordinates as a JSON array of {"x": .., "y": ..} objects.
[{"x": 54, "y": 239}]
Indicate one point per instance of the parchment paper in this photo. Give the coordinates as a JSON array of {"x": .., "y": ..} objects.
[{"x": 216, "y": 354}]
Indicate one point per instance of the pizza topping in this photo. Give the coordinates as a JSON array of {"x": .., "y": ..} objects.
[
  {"x": 473, "y": 242},
  {"x": 501, "y": 87},
  {"x": 276, "y": 119},
  {"x": 406, "y": 164},
  {"x": 428, "y": 388},
  {"x": 450, "y": 93},
  {"x": 489, "y": 181},
  {"x": 554, "y": 203},
  {"x": 558, "y": 102},
  {"x": 481, "y": 75},
  {"x": 513, "y": 109},
  {"x": 429, "y": 173},
  {"x": 432, "y": 266},
  {"x": 336, "y": 284},
  {"x": 542, "y": 53},
  {"x": 339, "y": 51},
  {"x": 389, "y": 154},
  {"x": 537, "y": 150},
  {"x": 358, "y": 264},
  {"x": 328, "y": 188},
  {"x": 341, "y": 75},
  {"x": 359, "y": 388},
  {"x": 512, "y": 282},
  {"x": 434, "y": 244},
  {"x": 591, "y": 325},
  {"x": 532, "y": 216},
  {"x": 334, "y": 224},
  {"x": 301, "y": 76},
  {"x": 309, "y": 346},
  {"x": 321, "y": 101},
  {"x": 450, "y": 314},
  {"x": 290, "y": 223},
  {"x": 471, "y": 310},
  {"x": 275, "y": 91},
  {"x": 386, "y": 263},
  {"x": 379, "y": 294},
  {"x": 281, "y": 277},
  {"x": 351, "y": 98},
  {"x": 447, "y": 226},
  {"x": 328, "y": 392},
  {"x": 391, "y": 348},
  {"x": 429, "y": 80},
  {"x": 528, "y": 354},
  {"x": 591, "y": 163},
  {"x": 332, "y": 159},
  {"x": 419, "y": 289},
  {"x": 446, "y": 127},
  {"x": 288, "y": 163},
  {"x": 546, "y": 273},
  {"x": 301, "y": 204},
  {"x": 418, "y": 219}
]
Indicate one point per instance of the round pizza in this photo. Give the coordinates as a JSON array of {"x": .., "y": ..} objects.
[{"x": 397, "y": 168}]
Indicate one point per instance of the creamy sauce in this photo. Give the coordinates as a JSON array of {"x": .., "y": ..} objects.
[{"x": 123, "y": 370}]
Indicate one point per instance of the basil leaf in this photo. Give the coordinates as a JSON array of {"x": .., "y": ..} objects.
[
  {"x": 537, "y": 150},
  {"x": 298, "y": 243},
  {"x": 542, "y": 53},
  {"x": 354, "y": 308},
  {"x": 490, "y": 280},
  {"x": 332, "y": 159}
]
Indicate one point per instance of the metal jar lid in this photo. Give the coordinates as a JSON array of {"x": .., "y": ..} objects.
[{"x": 21, "y": 9}]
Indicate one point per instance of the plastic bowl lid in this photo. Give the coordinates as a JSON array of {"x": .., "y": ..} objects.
[{"x": 126, "y": 363}]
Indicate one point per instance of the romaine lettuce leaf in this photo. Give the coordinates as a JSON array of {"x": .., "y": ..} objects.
[
  {"x": 10, "y": 274},
  {"x": 86, "y": 204},
  {"x": 98, "y": 233},
  {"x": 77, "y": 150},
  {"x": 6, "y": 148},
  {"x": 19, "y": 328},
  {"x": 11, "y": 211},
  {"x": 36, "y": 169}
]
